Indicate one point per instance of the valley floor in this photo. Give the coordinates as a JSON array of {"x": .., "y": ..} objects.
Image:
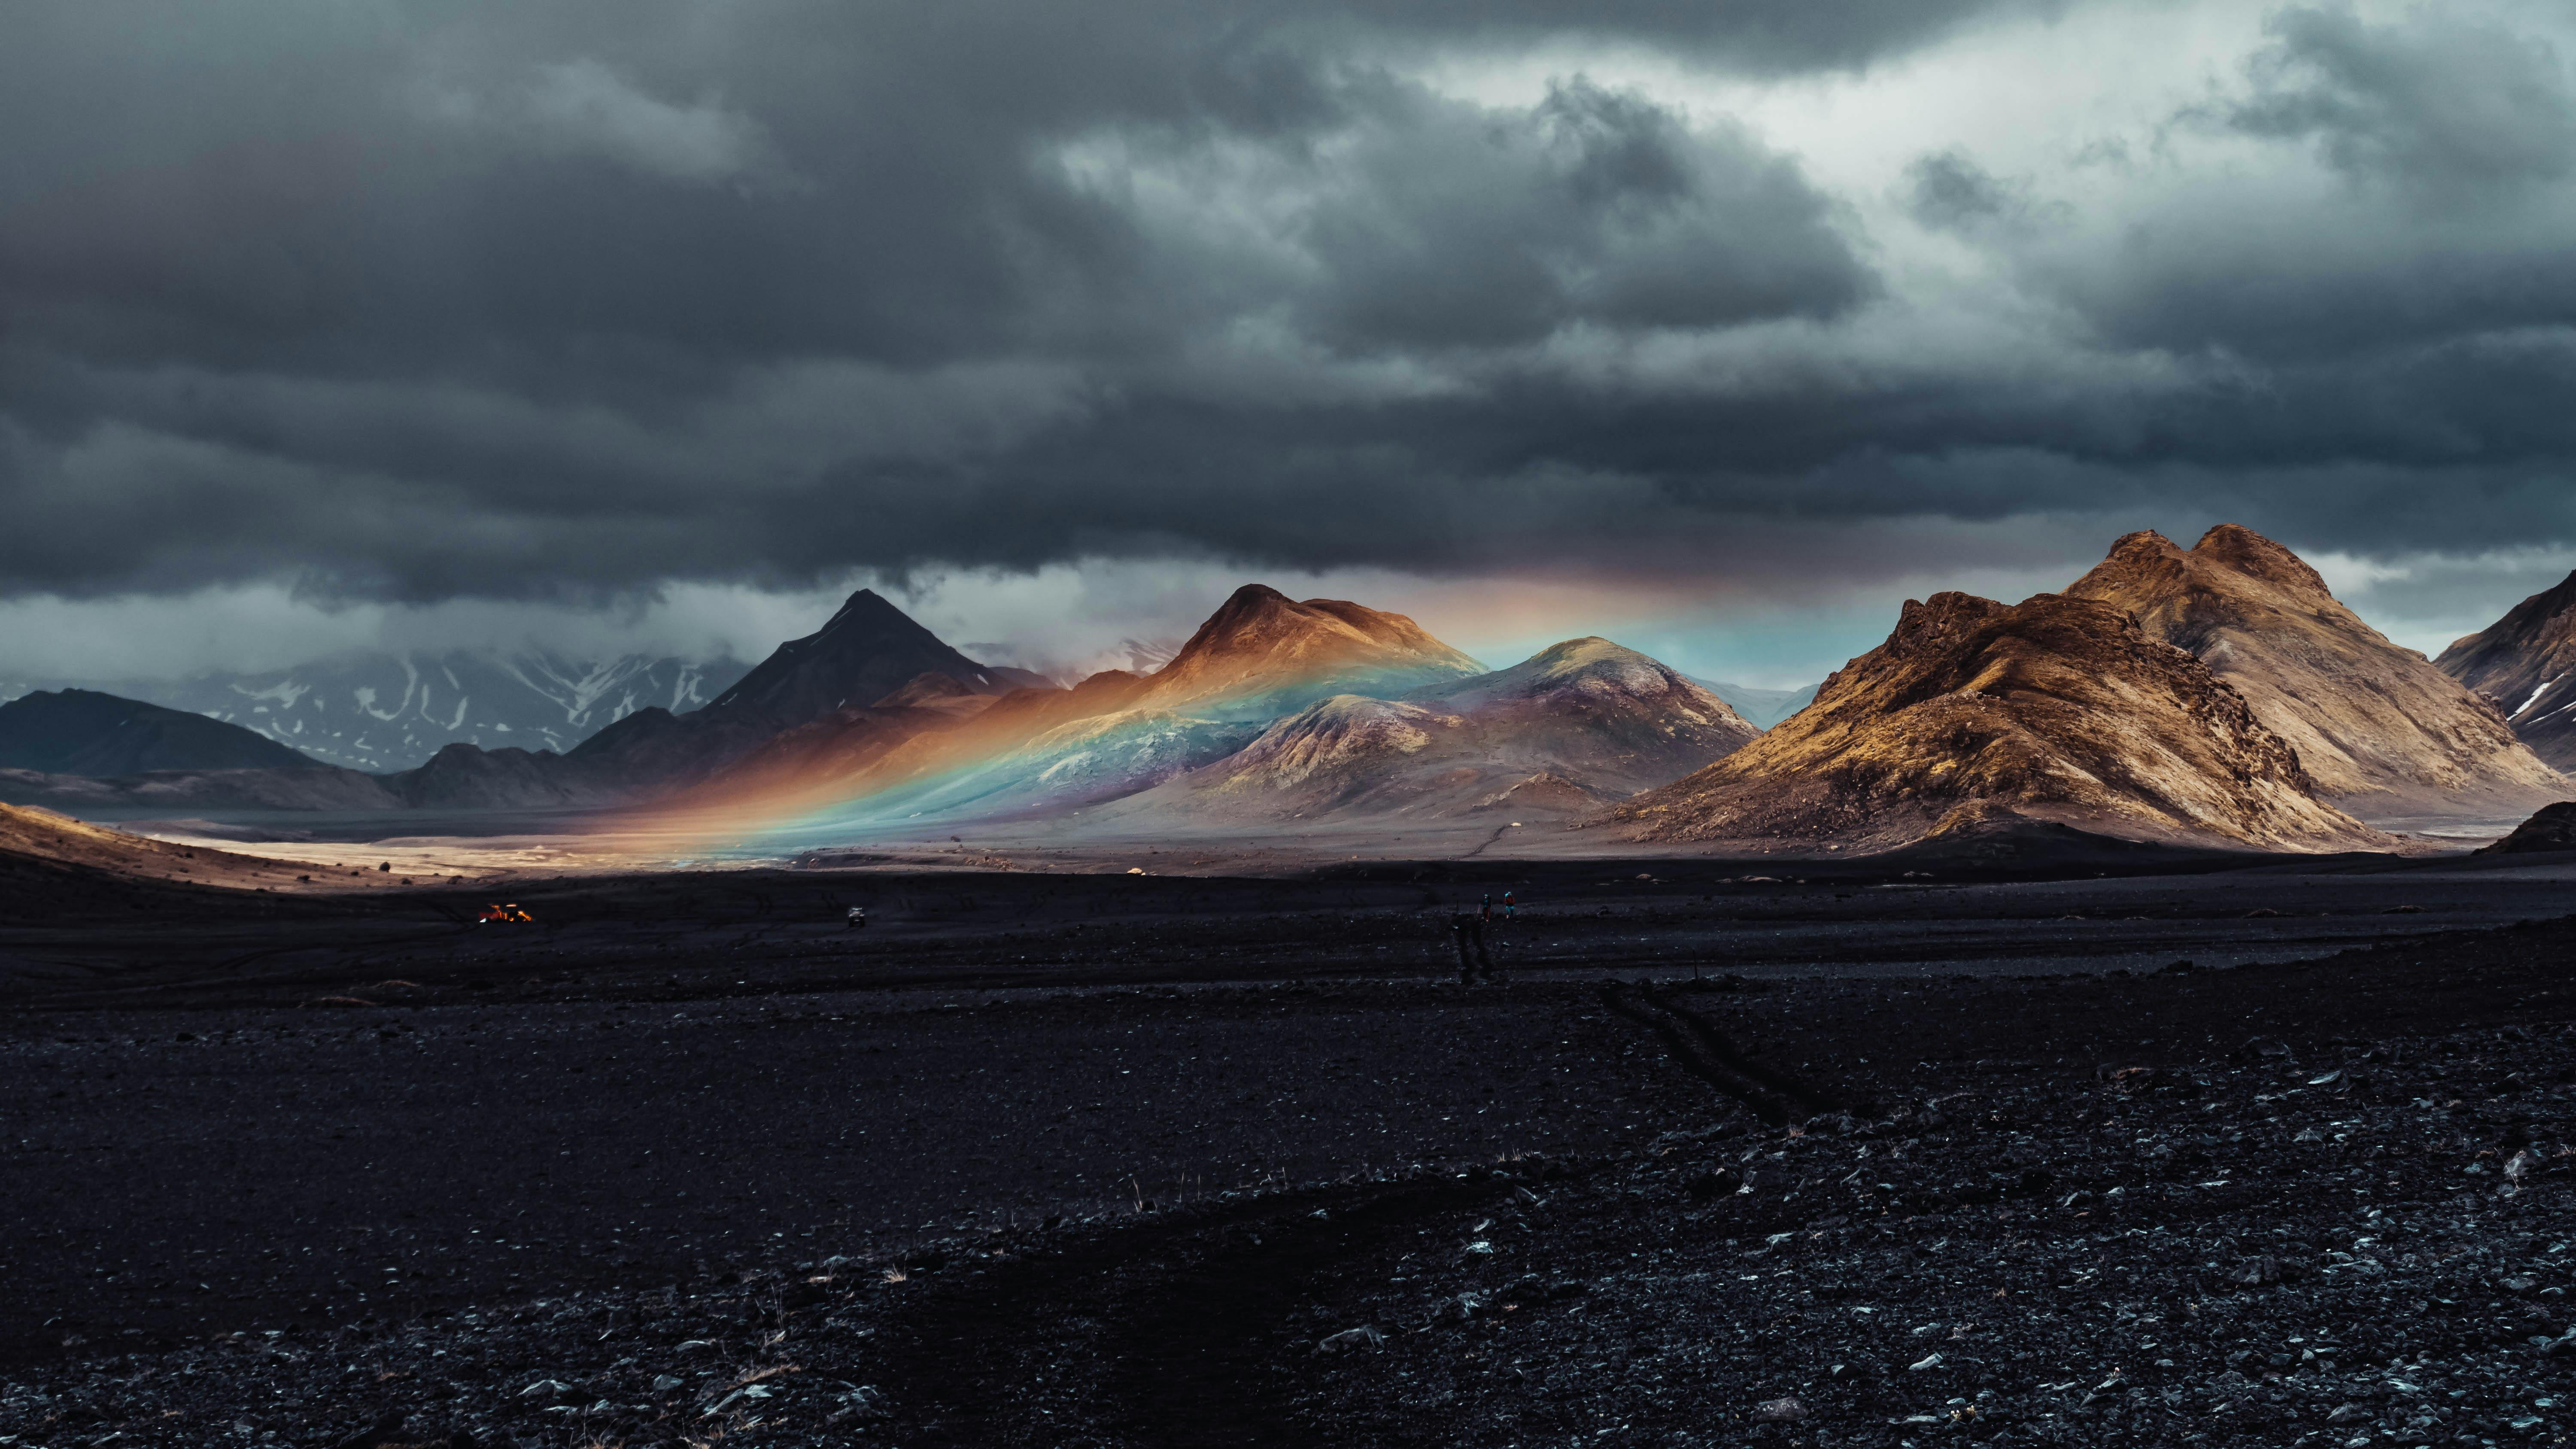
[{"x": 1111, "y": 1160}]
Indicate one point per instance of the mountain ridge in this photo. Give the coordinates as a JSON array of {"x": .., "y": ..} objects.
[
  {"x": 385, "y": 711},
  {"x": 1581, "y": 724},
  {"x": 89, "y": 733},
  {"x": 2376, "y": 725},
  {"x": 2058, "y": 709},
  {"x": 2525, "y": 665}
]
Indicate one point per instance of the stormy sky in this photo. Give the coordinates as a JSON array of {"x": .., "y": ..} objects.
[{"x": 1717, "y": 326}]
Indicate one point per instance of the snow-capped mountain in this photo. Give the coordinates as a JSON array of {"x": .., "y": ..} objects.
[{"x": 392, "y": 711}]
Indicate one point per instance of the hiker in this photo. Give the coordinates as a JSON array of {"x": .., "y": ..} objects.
[
  {"x": 1469, "y": 932},
  {"x": 1460, "y": 923},
  {"x": 1485, "y": 909},
  {"x": 1511, "y": 903}
]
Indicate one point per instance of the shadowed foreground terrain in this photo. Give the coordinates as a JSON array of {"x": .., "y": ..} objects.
[{"x": 1158, "y": 1160}]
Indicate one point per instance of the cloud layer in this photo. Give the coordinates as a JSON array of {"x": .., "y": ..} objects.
[{"x": 573, "y": 303}]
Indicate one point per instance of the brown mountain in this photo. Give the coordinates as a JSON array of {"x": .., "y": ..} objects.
[
  {"x": 2056, "y": 709},
  {"x": 1263, "y": 654},
  {"x": 1578, "y": 726},
  {"x": 2378, "y": 727},
  {"x": 2525, "y": 664}
]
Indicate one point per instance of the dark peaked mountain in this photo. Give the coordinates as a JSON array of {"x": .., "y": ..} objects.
[
  {"x": 868, "y": 650},
  {"x": 82, "y": 732},
  {"x": 2525, "y": 664},
  {"x": 2057, "y": 709},
  {"x": 2378, "y": 727},
  {"x": 1577, "y": 726}
]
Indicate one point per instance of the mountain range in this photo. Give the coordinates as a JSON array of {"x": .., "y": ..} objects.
[
  {"x": 388, "y": 711},
  {"x": 1260, "y": 655},
  {"x": 2214, "y": 696},
  {"x": 1579, "y": 726}
]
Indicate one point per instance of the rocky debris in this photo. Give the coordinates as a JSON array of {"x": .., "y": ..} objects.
[
  {"x": 2246, "y": 1249},
  {"x": 2217, "y": 1280},
  {"x": 2552, "y": 827},
  {"x": 2046, "y": 1190},
  {"x": 2055, "y": 710},
  {"x": 2377, "y": 726},
  {"x": 1784, "y": 1410}
]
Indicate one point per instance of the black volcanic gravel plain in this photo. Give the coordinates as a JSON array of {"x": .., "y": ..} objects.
[{"x": 1131, "y": 1161}]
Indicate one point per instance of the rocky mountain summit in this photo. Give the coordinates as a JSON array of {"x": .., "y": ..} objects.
[
  {"x": 2056, "y": 709},
  {"x": 2523, "y": 664},
  {"x": 1263, "y": 654},
  {"x": 2378, "y": 727},
  {"x": 865, "y": 651}
]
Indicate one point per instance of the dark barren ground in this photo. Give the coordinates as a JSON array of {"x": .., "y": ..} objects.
[{"x": 1111, "y": 1160}]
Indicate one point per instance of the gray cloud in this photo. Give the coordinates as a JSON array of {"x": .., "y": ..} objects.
[
  {"x": 500, "y": 301},
  {"x": 1950, "y": 190},
  {"x": 2441, "y": 104}
]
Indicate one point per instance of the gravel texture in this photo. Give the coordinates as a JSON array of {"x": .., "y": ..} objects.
[{"x": 2314, "y": 1203}]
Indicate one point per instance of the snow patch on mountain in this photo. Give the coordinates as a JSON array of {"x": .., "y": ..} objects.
[{"x": 385, "y": 711}]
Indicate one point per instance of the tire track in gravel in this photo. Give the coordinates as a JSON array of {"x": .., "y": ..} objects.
[
  {"x": 1153, "y": 1333},
  {"x": 1704, "y": 1050}
]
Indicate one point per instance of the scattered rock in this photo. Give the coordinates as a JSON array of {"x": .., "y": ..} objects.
[{"x": 2260, "y": 1272}]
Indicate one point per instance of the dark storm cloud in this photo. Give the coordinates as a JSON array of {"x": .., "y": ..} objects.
[
  {"x": 1447, "y": 226},
  {"x": 2440, "y": 104},
  {"x": 416, "y": 301}
]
